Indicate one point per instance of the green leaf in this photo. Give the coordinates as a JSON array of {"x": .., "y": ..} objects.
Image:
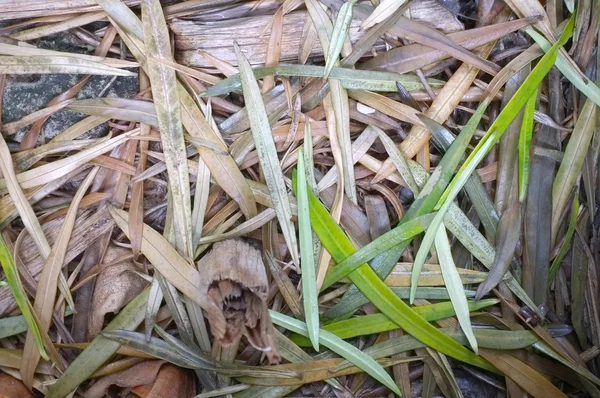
[
  {"x": 379, "y": 323},
  {"x": 525, "y": 146},
  {"x": 510, "y": 111},
  {"x": 309, "y": 278},
  {"x": 267, "y": 153},
  {"x": 576, "y": 77},
  {"x": 16, "y": 288},
  {"x": 380, "y": 295},
  {"x": 454, "y": 285},
  {"x": 340, "y": 347},
  {"x": 564, "y": 247}
]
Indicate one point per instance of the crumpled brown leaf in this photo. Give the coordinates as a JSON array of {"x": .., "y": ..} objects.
[
  {"x": 116, "y": 285},
  {"x": 234, "y": 284},
  {"x": 149, "y": 379}
]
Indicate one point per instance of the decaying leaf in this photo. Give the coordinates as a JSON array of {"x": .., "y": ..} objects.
[
  {"x": 234, "y": 280},
  {"x": 116, "y": 285}
]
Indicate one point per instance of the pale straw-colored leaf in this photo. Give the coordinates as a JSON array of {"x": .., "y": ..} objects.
[
  {"x": 46, "y": 293},
  {"x": 267, "y": 153},
  {"x": 383, "y": 11},
  {"x": 168, "y": 112},
  {"x": 23, "y": 65}
]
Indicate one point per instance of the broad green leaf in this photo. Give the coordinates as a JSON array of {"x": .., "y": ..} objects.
[
  {"x": 454, "y": 285},
  {"x": 349, "y": 78},
  {"x": 341, "y": 348},
  {"x": 309, "y": 279},
  {"x": 16, "y": 288},
  {"x": 267, "y": 153},
  {"x": 380, "y": 295},
  {"x": 487, "y": 142},
  {"x": 525, "y": 146},
  {"x": 338, "y": 36}
]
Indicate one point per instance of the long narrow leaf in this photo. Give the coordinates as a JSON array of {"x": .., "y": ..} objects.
[
  {"x": 309, "y": 279},
  {"x": 263, "y": 139},
  {"x": 341, "y": 348},
  {"x": 488, "y": 141},
  {"x": 380, "y": 295}
]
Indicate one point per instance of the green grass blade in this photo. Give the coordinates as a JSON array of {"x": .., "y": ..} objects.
[
  {"x": 404, "y": 233},
  {"x": 587, "y": 87},
  {"x": 564, "y": 247},
  {"x": 525, "y": 146},
  {"x": 454, "y": 285},
  {"x": 340, "y": 347},
  {"x": 309, "y": 279},
  {"x": 380, "y": 295},
  {"x": 16, "y": 288},
  {"x": 267, "y": 153},
  {"x": 379, "y": 323},
  {"x": 338, "y": 36},
  {"x": 530, "y": 85}
]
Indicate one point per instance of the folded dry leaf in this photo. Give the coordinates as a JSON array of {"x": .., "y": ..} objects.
[{"x": 234, "y": 279}]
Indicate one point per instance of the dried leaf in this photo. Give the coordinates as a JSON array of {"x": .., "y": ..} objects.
[{"x": 116, "y": 285}]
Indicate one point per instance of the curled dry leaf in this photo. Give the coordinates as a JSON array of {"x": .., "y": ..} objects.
[
  {"x": 234, "y": 280},
  {"x": 117, "y": 285},
  {"x": 148, "y": 379}
]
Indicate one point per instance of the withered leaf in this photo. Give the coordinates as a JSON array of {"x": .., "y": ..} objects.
[
  {"x": 234, "y": 280},
  {"x": 116, "y": 286}
]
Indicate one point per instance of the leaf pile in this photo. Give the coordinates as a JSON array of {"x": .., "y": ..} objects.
[{"x": 400, "y": 191}]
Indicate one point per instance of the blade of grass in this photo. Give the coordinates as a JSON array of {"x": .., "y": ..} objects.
[
  {"x": 525, "y": 146},
  {"x": 341, "y": 348},
  {"x": 564, "y": 247},
  {"x": 309, "y": 279},
  {"x": 379, "y": 323},
  {"x": 587, "y": 87},
  {"x": 267, "y": 153},
  {"x": 335, "y": 241},
  {"x": 454, "y": 285},
  {"x": 488, "y": 141},
  {"x": 16, "y": 288}
]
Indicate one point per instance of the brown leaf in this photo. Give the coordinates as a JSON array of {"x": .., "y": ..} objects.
[
  {"x": 116, "y": 285},
  {"x": 12, "y": 388},
  {"x": 235, "y": 281}
]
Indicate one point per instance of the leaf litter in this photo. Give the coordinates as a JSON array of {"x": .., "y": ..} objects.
[{"x": 253, "y": 223}]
